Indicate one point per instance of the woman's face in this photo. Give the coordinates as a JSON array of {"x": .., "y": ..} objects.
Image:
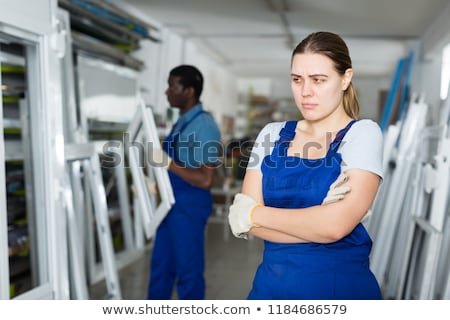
[{"x": 317, "y": 87}]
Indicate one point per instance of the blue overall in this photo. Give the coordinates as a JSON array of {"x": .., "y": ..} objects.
[
  {"x": 178, "y": 252},
  {"x": 338, "y": 270}
]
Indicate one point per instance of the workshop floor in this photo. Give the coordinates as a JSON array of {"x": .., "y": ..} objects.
[{"x": 230, "y": 267}]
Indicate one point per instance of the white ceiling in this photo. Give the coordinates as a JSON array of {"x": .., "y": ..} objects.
[{"x": 254, "y": 38}]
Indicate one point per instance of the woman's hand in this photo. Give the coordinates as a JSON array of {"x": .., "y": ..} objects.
[
  {"x": 337, "y": 191},
  {"x": 240, "y": 215}
]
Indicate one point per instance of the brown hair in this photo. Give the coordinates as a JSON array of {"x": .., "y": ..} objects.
[{"x": 334, "y": 47}]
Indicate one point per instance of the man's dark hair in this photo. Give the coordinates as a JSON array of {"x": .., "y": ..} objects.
[{"x": 189, "y": 76}]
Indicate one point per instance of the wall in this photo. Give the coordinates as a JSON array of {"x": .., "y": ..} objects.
[
  {"x": 220, "y": 92},
  {"x": 368, "y": 90},
  {"x": 437, "y": 34},
  {"x": 149, "y": 78},
  {"x": 430, "y": 85},
  {"x": 224, "y": 94},
  {"x": 432, "y": 43},
  {"x": 220, "y": 95},
  {"x": 282, "y": 87},
  {"x": 159, "y": 59},
  {"x": 36, "y": 16}
]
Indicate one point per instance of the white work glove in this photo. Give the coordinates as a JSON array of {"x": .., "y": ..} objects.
[
  {"x": 239, "y": 216},
  {"x": 159, "y": 158},
  {"x": 336, "y": 191}
]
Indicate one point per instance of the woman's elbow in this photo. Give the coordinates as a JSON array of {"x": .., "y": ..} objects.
[{"x": 335, "y": 233}]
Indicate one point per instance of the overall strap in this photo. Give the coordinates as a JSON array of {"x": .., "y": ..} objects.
[
  {"x": 170, "y": 143},
  {"x": 186, "y": 124},
  {"x": 287, "y": 133},
  {"x": 339, "y": 136}
]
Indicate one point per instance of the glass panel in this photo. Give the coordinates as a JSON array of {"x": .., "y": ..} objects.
[
  {"x": 107, "y": 101},
  {"x": 24, "y": 273}
]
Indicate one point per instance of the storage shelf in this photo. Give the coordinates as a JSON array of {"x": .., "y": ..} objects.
[
  {"x": 13, "y": 150},
  {"x": 8, "y": 58},
  {"x": 102, "y": 30}
]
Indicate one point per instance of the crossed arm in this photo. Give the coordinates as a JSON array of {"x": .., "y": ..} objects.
[{"x": 322, "y": 224}]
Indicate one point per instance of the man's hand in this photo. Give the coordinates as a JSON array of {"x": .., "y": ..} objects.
[
  {"x": 159, "y": 158},
  {"x": 151, "y": 187}
]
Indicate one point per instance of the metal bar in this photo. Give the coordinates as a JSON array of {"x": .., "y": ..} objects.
[
  {"x": 138, "y": 230},
  {"x": 28, "y": 175},
  {"x": 444, "y": 272},
  {"x": 417, "y": 206},
  {"x": 91, "y": 45},
  {"x": 145, "y": 207},
  {"x": 387, "y": 111},
  {"x": 116, "y": 10},
  {"x": 79, "y": 200},
  {"x": 409, "y": 292},
  {"x": 4, "y": 256},
  {"x": 446, "y": 295},
  {"x": 405, "y": 89},
  {"x": 111, "y": 25},
  {"x": 440, "y": 199},
  {"x": 38, "y": 223},
  {"x": 400, "y": 244},
  {"x": 124, "y": 202},
  {"x": 88, "y": 228},
  {"x": 428, "y": 281},
  {"x": 93, "y": 171},
  {"x": 77, "y": 268}
]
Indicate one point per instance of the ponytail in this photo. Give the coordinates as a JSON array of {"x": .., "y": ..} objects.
[{"x": 351, "y": 103}]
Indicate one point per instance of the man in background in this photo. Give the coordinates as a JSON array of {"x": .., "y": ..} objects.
[{"x": 192, "y": 147}]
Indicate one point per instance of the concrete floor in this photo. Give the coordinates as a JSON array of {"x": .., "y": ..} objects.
[{"x": 230, "y": 266}]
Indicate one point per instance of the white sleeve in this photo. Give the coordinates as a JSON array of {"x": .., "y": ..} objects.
[
  {"x": 362, "y": 147},
  {"x": 264, "y": 144}
]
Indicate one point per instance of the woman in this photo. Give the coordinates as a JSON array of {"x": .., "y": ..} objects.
[{"x": 313, "y": 250}]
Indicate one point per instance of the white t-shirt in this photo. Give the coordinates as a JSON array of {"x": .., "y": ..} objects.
[{"x": 361, "y": 147}]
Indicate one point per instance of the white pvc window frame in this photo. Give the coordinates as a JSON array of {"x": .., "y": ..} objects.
[
  {"x": 88, "y": 155},
  {"x": 47, "y": 161},
  {"x": 445, "y": 72},
  {"x": 143, "y": 129}
]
